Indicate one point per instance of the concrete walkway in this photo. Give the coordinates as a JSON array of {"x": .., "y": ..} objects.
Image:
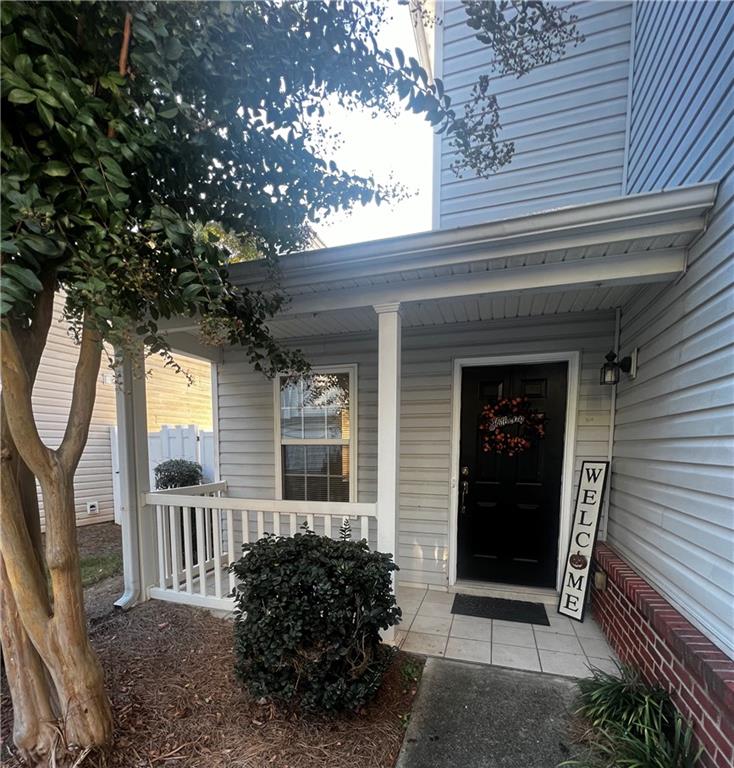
[{"x": 477, "y": 716}]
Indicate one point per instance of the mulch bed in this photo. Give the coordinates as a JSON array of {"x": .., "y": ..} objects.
[
  {"x": 99, "y": 539},
  {"x": 169, "y": 671}
]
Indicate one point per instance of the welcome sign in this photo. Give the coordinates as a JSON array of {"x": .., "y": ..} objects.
[{"x": 589, "y": 498}]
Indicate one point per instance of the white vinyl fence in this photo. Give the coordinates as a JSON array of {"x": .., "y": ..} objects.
[{"x": 178, "y": 442}]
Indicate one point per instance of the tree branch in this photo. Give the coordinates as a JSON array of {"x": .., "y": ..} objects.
[
  {"x": 27, "y": 580},
  {"x": 17, "y": 388},
  {"x": 122, "y": 62},
  {"x": 83, "y": 397}
]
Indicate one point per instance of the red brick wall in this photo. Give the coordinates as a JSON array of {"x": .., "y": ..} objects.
[{"x": 649, "y": 634}]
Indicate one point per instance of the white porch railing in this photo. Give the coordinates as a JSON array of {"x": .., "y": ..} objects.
[{"x": 201, "y": 531}]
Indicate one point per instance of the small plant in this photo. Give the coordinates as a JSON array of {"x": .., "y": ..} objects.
[
  {"x": 622, "y": 698},
  {"x": 411, "y": 671},
  {"x": 309, "y": 610},
  {"x": 632, "y": 724},
  {"x": 176, "y": 473}
]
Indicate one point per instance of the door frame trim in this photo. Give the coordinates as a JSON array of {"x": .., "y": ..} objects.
[{"x": 569, "y": 443}]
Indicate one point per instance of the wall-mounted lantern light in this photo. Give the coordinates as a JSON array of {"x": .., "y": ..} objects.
[{"x": 610, "y": 371}]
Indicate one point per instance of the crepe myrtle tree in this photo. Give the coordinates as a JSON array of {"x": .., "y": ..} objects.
[{"x": 144, "y": 146}]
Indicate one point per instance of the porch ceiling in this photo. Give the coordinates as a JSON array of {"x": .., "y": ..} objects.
[
  {"x": 498, "y": 306},
  {"x": 581, "y": 258}
]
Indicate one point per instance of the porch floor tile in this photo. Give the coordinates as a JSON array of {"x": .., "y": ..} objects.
[
  {"x": 427, "y": 645},
  {"x": 570, "y": 664},
  {"x": 515, "y": 656},
  {"x": 468, "y": 650},
  {"x": 431, "y": 625},
  {"x": 564, "y": 648},
  {"x": 548, "y": 641}
]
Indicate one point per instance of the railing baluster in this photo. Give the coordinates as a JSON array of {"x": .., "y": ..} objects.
[
  {"x": 231, "y": 556},
  {"x": 192, "y": 540},
  {"x": 188, "y": 554},
  {"x": 245, "y": 526},
  {"x": 161, "y": 548},
  {"x": 201, "y": 549},
  {"x": 208, "y": 527},
  {"x": 168, "y": 567},
  {"x": 173, "y": 520},
  {"x": 217, "y": 542}
]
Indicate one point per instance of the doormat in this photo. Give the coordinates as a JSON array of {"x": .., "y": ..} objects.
[{"x": 499, "y": 608}]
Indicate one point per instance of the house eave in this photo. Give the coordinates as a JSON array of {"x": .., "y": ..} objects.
[{"x": 678, "y": 210}]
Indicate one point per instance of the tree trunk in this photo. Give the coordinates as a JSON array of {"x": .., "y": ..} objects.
[
  {"x": 55, "y": 679},
  {"x": 71, "y": 661},
  {"x": 34, "y": 716}
]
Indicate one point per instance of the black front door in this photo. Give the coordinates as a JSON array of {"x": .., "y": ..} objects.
[{"x": 509, "y": 490}]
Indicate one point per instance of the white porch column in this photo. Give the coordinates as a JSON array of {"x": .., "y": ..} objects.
[
  {"x": 138, "y": 524},
  {"x": 388, "y": 430}
]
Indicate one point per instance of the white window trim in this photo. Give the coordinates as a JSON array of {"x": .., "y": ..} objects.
[{"x": 351, "y": 369}]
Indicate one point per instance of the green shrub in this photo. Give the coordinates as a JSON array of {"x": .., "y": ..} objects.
[
  {"x": 632, "y": 724},
  {"x": 308, "y": 620},
  {"x": 176, "y": 473},
  {"x": 606, "y": 698}
]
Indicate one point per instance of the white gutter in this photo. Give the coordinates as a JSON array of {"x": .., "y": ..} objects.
[
  {"x": 421, "y": 39},
  {"x": 679, "y": 209}
]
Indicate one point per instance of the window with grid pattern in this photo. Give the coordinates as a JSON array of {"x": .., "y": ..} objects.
[{"x": 316, "y": 436}]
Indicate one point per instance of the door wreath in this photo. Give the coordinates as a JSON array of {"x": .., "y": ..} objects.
[{"x": 526, "y": 425}]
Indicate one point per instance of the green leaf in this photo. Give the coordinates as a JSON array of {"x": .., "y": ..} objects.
[
  {"x": 46, "y": 115},
  {"x": 191, "y": 290},
  {"x": 42, "y": 245},
  {"x": 47, "y": 98},
  {"x": 82, "y": 156},
  {"x": 11, "y": 80},
  {"x": 23, "y": 65},
  {"x": 84, "y": 117},
  {"x": 174, "y": 49},
  {"x": 32, "y": 34},
  {"x": 23, "y": 276},
  {"x": 111, "y": 165},
  {"x": 93, "y": 175},
  {"x": 17, "y": 96},
  {"x": 186, "y": 277},
  {"x": 56, "y": 168}
]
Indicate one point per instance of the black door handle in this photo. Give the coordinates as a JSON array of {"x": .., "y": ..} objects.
[{"x": 464, "y": 494}]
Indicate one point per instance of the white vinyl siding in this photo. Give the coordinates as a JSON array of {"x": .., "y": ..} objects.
[
  {"x": 51, "y": 403},
  {"x": 246, "y": 416},
  {"x": 672, "y": 501},
  {"x": 425, "y": 432},
  {"x": 171, "y": 401},
  {"x": 567, "y": 120}
]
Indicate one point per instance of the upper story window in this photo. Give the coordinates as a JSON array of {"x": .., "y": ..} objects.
[{"x": 315, "y": 455}]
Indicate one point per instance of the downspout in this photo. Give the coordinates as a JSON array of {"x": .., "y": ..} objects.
[
  {"x": 128, "y": 484},
  {"x": 612, "y": 417}
]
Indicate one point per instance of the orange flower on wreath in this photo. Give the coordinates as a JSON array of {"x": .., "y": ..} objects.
[{"x": 510, "y": 426}]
